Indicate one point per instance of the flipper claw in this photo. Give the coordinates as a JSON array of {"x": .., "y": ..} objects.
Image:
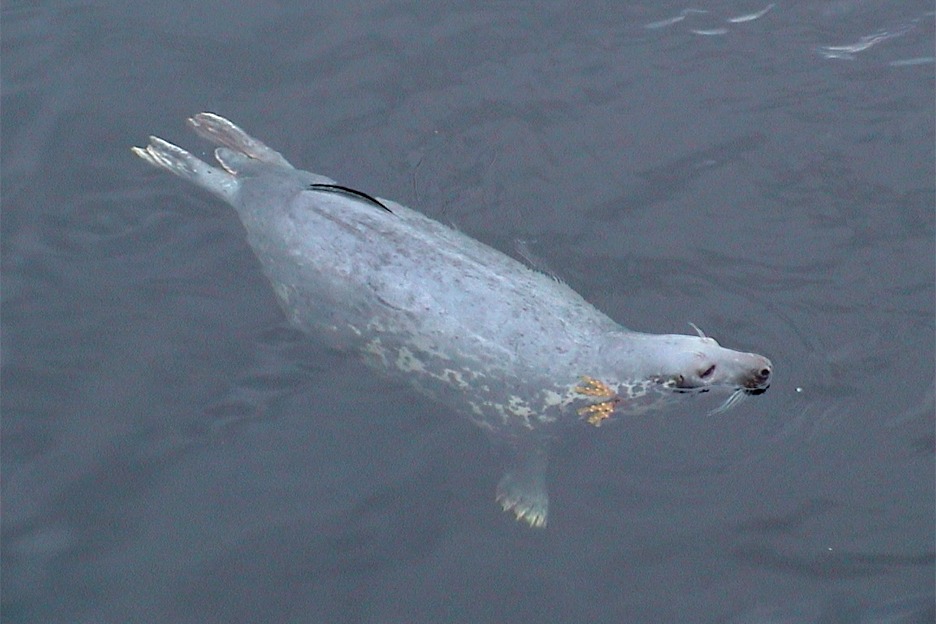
[{"x": 530, "y": 507}]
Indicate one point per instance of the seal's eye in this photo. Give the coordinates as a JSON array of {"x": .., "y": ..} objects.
[{"x": 707, "y": 372}]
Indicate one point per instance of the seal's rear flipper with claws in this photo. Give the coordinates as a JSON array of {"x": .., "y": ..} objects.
[
  {"x": 173, "y": 158},
  {"x": 522, "y": 489},
  {"x": 221, "y": 131}
]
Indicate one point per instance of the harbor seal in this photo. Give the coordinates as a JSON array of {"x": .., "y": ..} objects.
[{"x": 514, "y": 349}]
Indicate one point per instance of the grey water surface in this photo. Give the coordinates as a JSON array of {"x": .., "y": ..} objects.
[{"x": 173, "y": 452}]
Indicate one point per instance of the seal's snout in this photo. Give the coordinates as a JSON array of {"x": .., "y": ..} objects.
[
  {"x": 762, "y": 376},
  {"x": 759, "y": 379}
]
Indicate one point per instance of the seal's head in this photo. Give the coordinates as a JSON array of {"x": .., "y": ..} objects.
[
  {"x": 696, "y": 364},
  {"x": 699, "y": 364},
  {"x": 681, "y": 364}
]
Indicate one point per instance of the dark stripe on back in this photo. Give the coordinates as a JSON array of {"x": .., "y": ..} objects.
[{"x": 337, "y": 188}]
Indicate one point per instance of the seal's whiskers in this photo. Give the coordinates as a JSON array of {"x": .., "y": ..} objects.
[{"x": 733, "y": 399}]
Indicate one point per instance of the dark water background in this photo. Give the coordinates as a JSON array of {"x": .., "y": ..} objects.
[{"x": 173, "y": 452}]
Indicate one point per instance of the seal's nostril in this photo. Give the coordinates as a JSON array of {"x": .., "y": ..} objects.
[{"x": 765, "y": 373}]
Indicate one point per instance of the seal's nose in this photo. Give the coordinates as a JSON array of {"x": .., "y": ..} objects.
[{"x": 760, "y": 376}]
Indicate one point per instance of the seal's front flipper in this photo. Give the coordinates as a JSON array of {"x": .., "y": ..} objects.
[
  {"x": 522, "y": 489},
  {"x": 221, "y": 131},
  {"x": 165, "y": 155}
]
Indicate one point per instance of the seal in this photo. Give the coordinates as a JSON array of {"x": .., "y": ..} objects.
[{"x": 514, "y": 349}]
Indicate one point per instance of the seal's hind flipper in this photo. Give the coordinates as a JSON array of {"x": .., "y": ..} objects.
[
  {"x": 173, "y": 158},
  {"x": 522, "y": 489},
  {"x": 221, "y": 131}
]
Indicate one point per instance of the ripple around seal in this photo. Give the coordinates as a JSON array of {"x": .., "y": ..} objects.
[
  {"x": 113, "y": 224},
  {"x": 910, "y": 609}
]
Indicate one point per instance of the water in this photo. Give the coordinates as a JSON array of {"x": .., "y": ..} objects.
[{"x": 173, "y": 452}]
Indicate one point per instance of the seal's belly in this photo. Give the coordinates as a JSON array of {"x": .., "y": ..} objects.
[
  {"x": 502, "y": 400},
  {"x": 492, "y": 397}
]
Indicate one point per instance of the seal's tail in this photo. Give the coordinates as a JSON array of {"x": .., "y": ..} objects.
[{"x": 238, "y": 148}]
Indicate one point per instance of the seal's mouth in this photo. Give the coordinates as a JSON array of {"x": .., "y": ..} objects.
[
  {"x": 757, "y": 383},
  {"x": 702, "y": 389}
]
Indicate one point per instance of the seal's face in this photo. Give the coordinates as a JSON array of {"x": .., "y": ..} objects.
[{"x": 700, "y": 364}]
